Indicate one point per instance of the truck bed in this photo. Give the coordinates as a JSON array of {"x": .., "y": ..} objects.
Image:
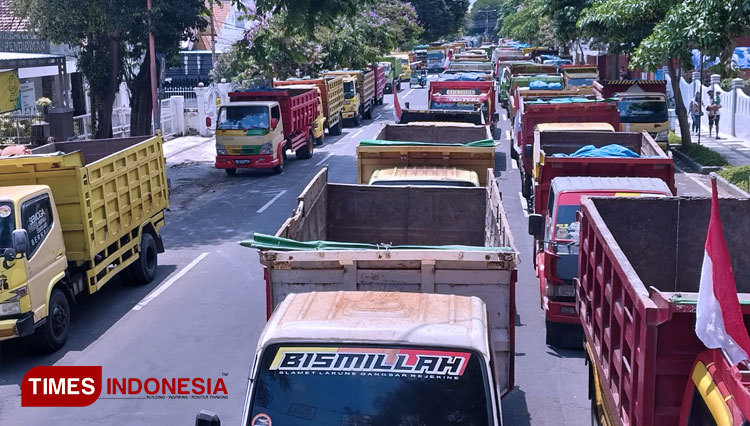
[
  {"x": 386, "y": 216},
  {"x": 640, "y": 265},
  {"x": 103, "y": 190},
  {"x": 654, "y": 162},
  {"x": 299, "y": 107},
  {"x": 332, "y": 90},
  {"x": 446, "y": 148}
]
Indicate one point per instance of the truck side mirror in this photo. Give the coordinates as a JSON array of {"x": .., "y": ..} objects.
[
  {"x": 208, "y": 122},
  {"x": 20, "y": 240},
  {"x": 528, "y": 150},
  {"x": 536, "y": 225},
  {"x": 207, "y": 418},
  {"x": 274, "y": 123},
  {"x": 407, "y": 105}
]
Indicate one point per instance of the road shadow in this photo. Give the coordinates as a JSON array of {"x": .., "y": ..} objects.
[
  {"x": 501, "y": 162},
  {"x": 566, "y": 352},
  {"x": 91, "y": 317},
  {"x": 515, "y": 409}
]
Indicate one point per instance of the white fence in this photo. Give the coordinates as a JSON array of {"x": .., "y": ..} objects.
[
  {"x": 120, "y": 123},
  {"x": 735, "y": 104},
  {"x": 191, "y": 99}
]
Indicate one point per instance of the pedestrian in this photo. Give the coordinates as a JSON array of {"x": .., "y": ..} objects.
[
  {"x": 696, "y": 111},
  {"x": 714, "y": 113},
  {"x": 624, "y": 74}
]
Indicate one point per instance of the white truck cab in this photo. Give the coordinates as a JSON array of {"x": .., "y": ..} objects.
[{"x": 375, "y": 358}]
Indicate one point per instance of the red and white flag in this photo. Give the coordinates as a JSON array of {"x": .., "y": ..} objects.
[
  {"x": 718, "y": 321},
  {"x": 396, "y": 106}
]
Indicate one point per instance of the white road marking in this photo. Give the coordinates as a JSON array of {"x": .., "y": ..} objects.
[
  {"x": 408, "y": 93},
  {"x": 514, "y": 164},
  {"x": 324, "y": 159},
  {"x": 162, "y": 288},
  {"x": 389, "y": 106},
  {"x": 504, "y": 117},
  {"x": 702, "y": 185},
  {"x": 273, "y": 200},
  {"x": 507, "y": 134},
  {"x": 354, "y": 135},
  {"x": 524, "y": 205}
]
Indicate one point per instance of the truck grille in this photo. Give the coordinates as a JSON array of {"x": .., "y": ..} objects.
[{"x": 243, "y": 150}]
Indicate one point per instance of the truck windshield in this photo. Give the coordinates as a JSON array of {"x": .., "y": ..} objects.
[
  {"x": 435, "y": 55},
  {"x": 636, "y": 111},
  {"x": 566, "y": 226},
  {"x": 581, "y": 82},
  {"x": 349, "y": 89},
  {"x": 375, "y": 386},
  {"x": 243, "y": 117},
  {"x": 7, "y": 224}
]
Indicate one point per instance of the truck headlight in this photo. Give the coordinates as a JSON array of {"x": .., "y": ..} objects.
[
  {"x": 565, "y": 290},
  {"x": 10, "y": 308},
  {"x": 266, "y": 148},
  {"x": 220, "y": 150},
  {"x": 663, "y": 135}
]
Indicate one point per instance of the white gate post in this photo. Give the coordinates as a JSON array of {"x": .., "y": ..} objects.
[
  {"x": 200, "y": 94},
  {"x": 224, "y": 89},
  {"x": 696, "y": 83},
  {"x": 737, "y": 84},
  {"x": 177, "y": 104}
]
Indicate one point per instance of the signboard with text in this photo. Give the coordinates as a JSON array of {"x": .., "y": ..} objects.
[{"x": 20, "y": 42}]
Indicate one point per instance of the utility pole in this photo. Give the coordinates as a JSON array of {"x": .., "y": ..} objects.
[
  {"x": 213, "y": 40},
  {"x": 152, "y": 71},
  {"x": 487, "y": 20}
]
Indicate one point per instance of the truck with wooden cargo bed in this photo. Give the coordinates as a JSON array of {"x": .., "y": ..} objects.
[
  {"x": 581, "y": 77},
  {"x": 465, "y": 95},
  {"x": 382, "y": 358},
  {"x": 359, "y": 94},
  {"x": 399, "y": 238},
  {"x": 639, "y": 272},
  {"x": 332, "y": 97},
  {"x": 256, "y": 128},
  {"x": 392, "y": 73},
  {"x": 73, "y": 215},
  {"x": 457, "y": 154},
  {"x": 379, "y": 73}
]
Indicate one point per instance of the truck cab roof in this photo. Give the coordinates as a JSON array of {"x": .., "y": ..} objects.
[
  {"x": 433, "y": 176},
  {"x": 628, "y": 184},
  {"x": 251, "y": 103},
  {"x": 368, "y": 317},
  {"x": 15, "y": 193}
]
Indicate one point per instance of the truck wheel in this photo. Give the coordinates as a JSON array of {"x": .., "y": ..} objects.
[
  {"x": 282, "y": 158},
  {"x": 319, "y": 141},
  {"x": 357, "y": 120},
  {"x": 552, "y": 334},
  {"x": 144, "y": 268},
  {"x": 52, "y": 335},
  {"x": 336, "y": 130},
  {"x": 231, "y": 172},
  {"x": 513, "y": 153},
  {"x": 525, "y": 185},
  {"x": 368, "y": 116},
  {"x": 306, "y": 151}
]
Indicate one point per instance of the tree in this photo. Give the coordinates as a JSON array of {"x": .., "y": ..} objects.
[
  {"x": 528, "y": 24},
  {"x": 440, "y": 18},
  {"x": 484, "y": 15},
  {"x": 108, "y": 34},
  {"x": 563, "y": 16}
]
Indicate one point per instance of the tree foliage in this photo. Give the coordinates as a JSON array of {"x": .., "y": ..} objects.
[
  {"x": 440, "y": 18},
  {"x": 528, "y": 23}
]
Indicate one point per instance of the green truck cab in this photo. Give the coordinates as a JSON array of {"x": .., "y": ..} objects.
[{"x": 392, "y": 73}]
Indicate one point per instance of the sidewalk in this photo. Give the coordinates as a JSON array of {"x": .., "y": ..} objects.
[
  {"x": 735, "y": 149},
  {"x": 184, "y": 148}
]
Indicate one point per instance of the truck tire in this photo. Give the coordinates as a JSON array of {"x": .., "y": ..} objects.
[
  {"x": 277, "y": 169},
  {"x": 52, "y": 335},
  {"x": 357, "y": 120},
  {"x": 336, "y": 130},
  {"x": 319, "y": 141},
  {"x": 306, "y": 151},
  {"x": 231, "y": 172},
  {"x": 368, "y": 114},
  {"x": 513, "y": 153},
  {"x": 144, "y": 268},
  {"x": 525, "y": 185}
]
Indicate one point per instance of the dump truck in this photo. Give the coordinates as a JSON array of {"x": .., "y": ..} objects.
[
  {"x": 524, "y": 80},
  {"x": 426, "y": 154},
  {"x": 73, "y": 215},
  {"x": 256, "y": 128},
  {"x": 319, "y": 125},
  {"x": 643, "y": 105},
  {"x": 465, "y": 95},
  {"x": 538, "y": 110},
  {"x": 332, "y": 96},
  {"x": 437, "y": 58},
  {"x": 379, "y": 73},
  {"x": 399, "y": 238},
  {"x": 392, "y": 73},
  {"x": 581, "y": 77},
  {"x": 405, "y": 65},
  {"x": 359, "y": 94},
  {"x": 381, "y": 357},
  {"x": 636, "y": 298}
]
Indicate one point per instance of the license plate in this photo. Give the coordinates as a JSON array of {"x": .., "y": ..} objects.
[
  {"x": 241, "y": 161},
  {"x": 567, "y": 310}
]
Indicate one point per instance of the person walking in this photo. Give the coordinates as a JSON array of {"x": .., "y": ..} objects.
[
  {"x": 696, "y": 111},
  {"x": 714, "y": 113}
]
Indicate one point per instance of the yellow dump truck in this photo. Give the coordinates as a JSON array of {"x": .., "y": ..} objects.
[
  {"x": 359, "y": 94},
  {"x": 434, "y": 154},
  {"x": 72, "y": 216}
]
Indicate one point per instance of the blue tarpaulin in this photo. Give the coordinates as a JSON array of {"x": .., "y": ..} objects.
[
  {"x": 543, "y": 85},
  {"x": 613, "y": 150},
  {"x": 464, "y": 76},
  {"x": 741, "y": 57}
]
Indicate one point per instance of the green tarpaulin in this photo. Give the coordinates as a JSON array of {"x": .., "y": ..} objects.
[
  {"x": 484, "y": 143},
  {"x": 270, "y": 242}
]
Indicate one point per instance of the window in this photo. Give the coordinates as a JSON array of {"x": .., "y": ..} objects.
[
  {"x": 36, "y": 219},
  {"x": 7, "y": 225},
  {"x": 700, "y": 415},
  {"x": 275, "y": 113}
]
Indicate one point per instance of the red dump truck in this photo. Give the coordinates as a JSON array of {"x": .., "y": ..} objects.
[
  {"x": 465, "y": 96},
  {"x": 640, "y": 267},
  {"x": 332, "y": 96},
  {"x": 256, "y": 128},
  {"x": 379, "y": 72},
  {"x": 561, "y": 180},
  {"x": 538, "y": 110}
]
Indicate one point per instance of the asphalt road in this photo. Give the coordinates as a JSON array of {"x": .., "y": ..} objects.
[{"x": 204, "y": 312}]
